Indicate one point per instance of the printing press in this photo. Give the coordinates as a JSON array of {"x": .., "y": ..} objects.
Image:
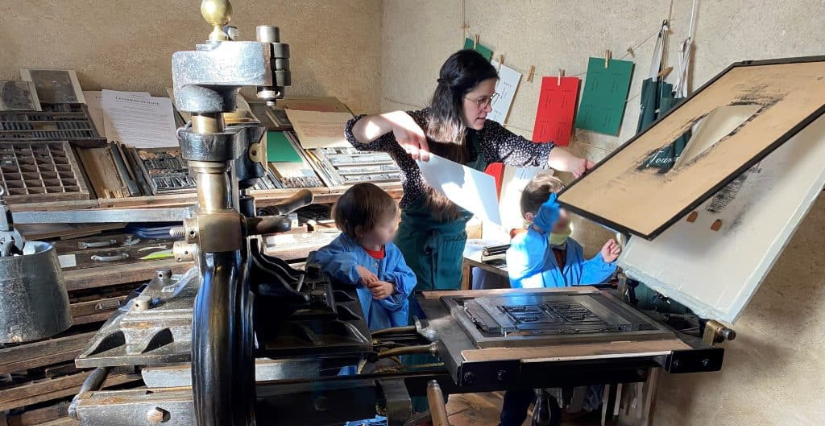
[{"x": 244, "y": 338}]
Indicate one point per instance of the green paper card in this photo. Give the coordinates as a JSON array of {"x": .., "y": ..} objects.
[
  {"x": 484, "y": 50},
  {"x": 280, "y": 150},
  {"x": 605, "y": 96}
]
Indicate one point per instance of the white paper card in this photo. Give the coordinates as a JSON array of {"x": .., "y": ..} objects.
[
  {"x": 67, "y": 260},
  {"x": 469, "y": 188},
  {"x": 508, "y": 81},
  {"x": 319, "y": 129},
  {"x": 135, "y": 120},
  {"x": 715, "y": 273},
  {"x": 93, "y": 103}
]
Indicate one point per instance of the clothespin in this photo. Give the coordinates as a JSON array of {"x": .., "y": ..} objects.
[
  {"x": 531, "y": 73},
  {"x": 464, "y": 26},
  {"x": 561, "y": 75},
  {"x": 692, "y": 217},
  {"x": 500, "y": 61},
  {"x": 663, "y": 73},
  {"x": 606, "y": 59},
  {"x": 475, "y": 41},
  {"x": 716, "y": 225},
  {"x": 630, "y": 51}
]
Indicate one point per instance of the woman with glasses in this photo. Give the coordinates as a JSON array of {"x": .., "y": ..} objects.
[{"x": 431, "y": 232}]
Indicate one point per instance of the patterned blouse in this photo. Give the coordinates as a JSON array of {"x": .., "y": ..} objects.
[{"x": 497, "y": 145}]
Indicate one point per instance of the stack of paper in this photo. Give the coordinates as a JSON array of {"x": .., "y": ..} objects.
[
  {"x": 292, "y": 172},
  {"x": 138, "y": 119},
  {"x": 319, "y": 129}
]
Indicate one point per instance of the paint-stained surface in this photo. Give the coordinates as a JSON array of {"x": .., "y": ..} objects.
[{"x": 644, "y": 201}]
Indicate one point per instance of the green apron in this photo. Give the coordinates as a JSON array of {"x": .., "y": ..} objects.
[{"x": 435, "y": 252}]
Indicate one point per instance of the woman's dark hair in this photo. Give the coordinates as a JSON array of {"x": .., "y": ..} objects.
[
  {"x": 361, "y": 207},
  {"x": 460, "y": 74},
  {"x": 538, "y": 191}
]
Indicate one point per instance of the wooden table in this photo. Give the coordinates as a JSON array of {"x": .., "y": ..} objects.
[{"x": 467, "y": 271}]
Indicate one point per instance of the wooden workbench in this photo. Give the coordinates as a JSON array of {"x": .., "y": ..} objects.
[{"x": 467, "y": 271}]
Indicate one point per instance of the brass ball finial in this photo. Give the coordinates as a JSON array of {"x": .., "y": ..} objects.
[{"x": 217, "y": 13}]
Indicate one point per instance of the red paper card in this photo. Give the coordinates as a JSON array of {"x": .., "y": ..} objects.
[
  {"x": 496, "y": 170},
  {"x": 557, "y": 110}
]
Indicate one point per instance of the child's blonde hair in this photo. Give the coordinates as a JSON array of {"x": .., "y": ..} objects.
[
  {"x": 361, "y": 207},
  {"x": 538, "y": 191}
]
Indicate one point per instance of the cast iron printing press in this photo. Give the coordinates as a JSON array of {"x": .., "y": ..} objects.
[{"x": 243, "y": 338}]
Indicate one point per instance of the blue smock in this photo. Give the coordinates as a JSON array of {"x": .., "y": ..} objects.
[
  {"x": 532, "y": 264},
  {"x": 339, "y": 261}
]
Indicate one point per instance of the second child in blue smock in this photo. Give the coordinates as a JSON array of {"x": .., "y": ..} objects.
[
  {"x": 365, "y": 257},
  {"x": 545, "y": 255}
]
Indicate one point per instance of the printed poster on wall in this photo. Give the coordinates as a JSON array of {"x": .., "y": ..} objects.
[
  {"x": 556, "y": 110},
  {"x": 506, "y": 87},
  {"x": 604, "y": 96}
]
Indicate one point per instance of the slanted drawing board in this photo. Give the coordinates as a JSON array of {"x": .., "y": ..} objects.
[
  {"x": 786, "y": 95},
  {"x": 707, "y": 232},
  {"x": 716, "y": 272}
]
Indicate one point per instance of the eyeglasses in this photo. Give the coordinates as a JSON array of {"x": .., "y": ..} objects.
[{"x": 484, "y": 101}]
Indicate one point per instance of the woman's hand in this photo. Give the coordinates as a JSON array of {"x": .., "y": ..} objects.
[
  {"x": 409, "y": 135},
  {"x": 564, "y": 161},
  {"x": 407, "y": 132}
]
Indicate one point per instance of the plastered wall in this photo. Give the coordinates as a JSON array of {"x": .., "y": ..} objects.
[
  {"x": 128, "y": 45},
  {"x": 774, "y": 372}
]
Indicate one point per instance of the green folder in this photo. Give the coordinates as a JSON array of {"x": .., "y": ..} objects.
[
  {"x": 604, "y": 96},
  {"x": 484, "y": 50},
  {"x": 280, "y": 150}
]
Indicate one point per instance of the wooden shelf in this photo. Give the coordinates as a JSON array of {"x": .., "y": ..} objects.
[{"x": 262, "y": 198}]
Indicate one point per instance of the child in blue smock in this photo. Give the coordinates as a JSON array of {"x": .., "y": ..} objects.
[
  {"x": 546, "y": 256},
  {"x": 365, "y": 257}
]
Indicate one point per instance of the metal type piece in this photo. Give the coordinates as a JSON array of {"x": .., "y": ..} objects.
[
  {"x": 540, "y": 319},
  {"x": 56, "y": 123},
  {"x": 40, "y": 171},
  {"x": 34, "y": 303}
]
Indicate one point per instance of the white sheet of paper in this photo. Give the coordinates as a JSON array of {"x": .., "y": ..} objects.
[
  {"x": 513, "y": 183},
  {"x": 93, "y": 103},
  {"x": 715, "y": 273},
  {"x": 319, "y": 129},
  {"x": 506, "y": 87},
  {"x": 469, "y": 188},
  {"x": 133, "y": 119}
]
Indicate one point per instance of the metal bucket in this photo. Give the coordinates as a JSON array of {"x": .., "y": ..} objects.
[{"x": 34, "y": 303}]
